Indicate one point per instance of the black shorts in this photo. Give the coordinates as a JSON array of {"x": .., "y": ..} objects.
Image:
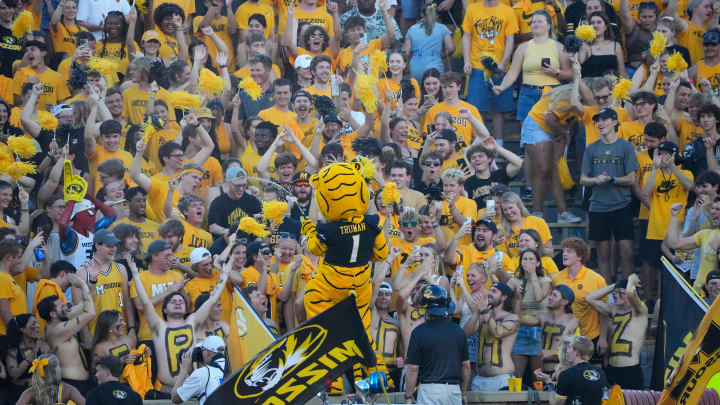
[
  {"x": 596, "y": 359},
  {"x": 651, "y": 252},
  {"x": 628, "y": 378},
  {"x": 82, "y": 386},
  {"x": 455, "y": 11},
  {"x": 616, "y": 224}
]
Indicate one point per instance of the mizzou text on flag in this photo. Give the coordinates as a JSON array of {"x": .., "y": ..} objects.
[
  {"x": 248, "y": 333},
  {"x": 699, "y": 362},
  {"x": 296, "y": 366},
  {"x": 681, "y": 310}
]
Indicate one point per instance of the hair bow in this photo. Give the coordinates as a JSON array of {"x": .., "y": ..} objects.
[{"x": 40, "y": 365}]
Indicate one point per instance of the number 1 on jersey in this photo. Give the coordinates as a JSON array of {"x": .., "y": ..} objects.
[{"x": 356, "y": 247}]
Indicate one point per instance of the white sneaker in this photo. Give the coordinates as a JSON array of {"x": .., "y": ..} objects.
[
  {"x": 568, "y": 217},
  {"x": 538, "y": 214}
]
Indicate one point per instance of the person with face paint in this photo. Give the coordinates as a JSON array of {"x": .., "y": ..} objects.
[
  {"x": 629, "y": 316},
  {"x": 385, "y": 330}
]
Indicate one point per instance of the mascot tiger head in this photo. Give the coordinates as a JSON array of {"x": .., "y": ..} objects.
[{"x": 341, "y": 192}]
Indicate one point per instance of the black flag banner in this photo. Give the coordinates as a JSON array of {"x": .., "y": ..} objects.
[
  {"x": 296, "y": 366},
  {"x": 681, "y": 310}
]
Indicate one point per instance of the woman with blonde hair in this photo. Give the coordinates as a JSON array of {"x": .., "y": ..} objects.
[
  {"x": 424, "y": 43},
  {"x": 514, "y": 218},
  {"x": 47, "y": 386}
]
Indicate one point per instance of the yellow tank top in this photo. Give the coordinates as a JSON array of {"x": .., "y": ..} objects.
[
  {"x": 534, "y": 54},
  {"x": 108, "y": 292},
  {"x": 712, "y": 73}
]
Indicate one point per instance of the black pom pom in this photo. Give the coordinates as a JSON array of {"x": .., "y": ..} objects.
[
  {"x": 78, "y": 78},
  {"x": 159, "y": 73},
  {"x": 367, "y": 147},
  {"x": 407, "y": 89},
  {"x": 573, "y": 44},
  {"x": 324, "y": 105},
  {"x": 492, "y": 67}
]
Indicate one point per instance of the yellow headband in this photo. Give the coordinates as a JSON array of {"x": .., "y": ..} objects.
[
  {"x": 40, "y": 365},
  {"x": 186, "y": 171}
]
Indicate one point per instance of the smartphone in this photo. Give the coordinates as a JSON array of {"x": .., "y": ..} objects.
[
  {"x": 462, "y": 164},
  {"x": 545, "y": 62},
  {"x": 84, "y": 43},
  {"x": 334, "y": 87},
  {"x": 467, "y": 220},
  {"x": 490, "y": 205},
  {"x": 416, "y": 248},
  {"x": 460, "y": 271},
  {"x": 430, "y": 128},
  {"x": 363, "y": 39}
]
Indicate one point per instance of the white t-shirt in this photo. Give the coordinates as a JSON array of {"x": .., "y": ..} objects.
[
  {"x": 204, "y": 380},
  {"x": 95, "y": 11}
]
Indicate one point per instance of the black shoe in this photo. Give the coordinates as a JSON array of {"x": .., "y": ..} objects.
[{"x": 526, "y": 194}]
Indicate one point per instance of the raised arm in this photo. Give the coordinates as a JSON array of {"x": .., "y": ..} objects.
[
  {"x": 146, "y": 306},
  {"x": 200, "y": 315},
  {"x": 449, "y": 257},
  {"x": 136, "y": 173},
  {"x": 56, "y": 16},
  {"x": 207, "y": 143},
  {"x": 332, "y": 8},
  {"x": 74, "y": 325},
  {"x": 310, "y": 159},
  {"x": 30, "y": 125},
  {"x": 628, "y": 22},
  {"x": 595, "y": 299},
  {"x": 674, "y": 240},
  {"x": 291, "y": 32},
  {"x": 264, "y": 163}
]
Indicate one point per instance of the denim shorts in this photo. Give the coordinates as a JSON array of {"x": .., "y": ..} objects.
[
  {"x": 480, "y": 94},
  {"x": 527, "y": 97},
  {"x": 410, "y": 9},
  {"x": 531, "y": 133},
  {"x": 528, "y": 341}
]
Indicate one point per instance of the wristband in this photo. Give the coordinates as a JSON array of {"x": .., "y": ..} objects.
[
  {"x": 613, "y": 180},
  {"x": 92, "y": 281},
  {"x": 196, "y": 125},
  {"x": 485, "y": 311},
  {"x": 436, "y": 225},
  {"x": 223, "y": 66}
]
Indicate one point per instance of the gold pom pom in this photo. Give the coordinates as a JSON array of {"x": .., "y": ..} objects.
[
  {"x": 658, "y": 44},
  {"x": 211, "y": 83},
  {"x": 250, "y": 87},
  {"x": 274, "y": 211},
  {"x": 378, "y": 61},
  {"x": 22, "y": 146},
  {"x": 23, "y": 24},
  {"x": 365, "y": 87},
  {"x": 104, "y": 66},
  {"x": 251, "y": 226},
  {"x": 185, "y": 101},
  {"x": 676, "y": 63},
  {"x": 141, "y": 6},
  {"x": 6, "y": 156},
  {"x": 390, "y": 193},
  {"x": 19, "y": 169},
  {"x": 46, "y": 121},
  {"x": 368, "y": 167},
  {"x": 586, "y": 33},
  {"x": 149, "y": 129},
  {"x": 621, "y": 89}
]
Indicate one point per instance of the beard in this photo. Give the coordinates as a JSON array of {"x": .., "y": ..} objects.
[{"x": 63, "y": 318}]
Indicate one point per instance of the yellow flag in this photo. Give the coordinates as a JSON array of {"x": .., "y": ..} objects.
[
  {"x": 248, "y": 333},
  {"x": 699, "y": 362}
]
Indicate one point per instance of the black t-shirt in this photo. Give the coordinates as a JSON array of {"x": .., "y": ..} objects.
[
  {"x": 432, "y": 192},
  {"x": 297, "y": 212},
  {"x": 584, "y": 382},
  {"x": 695, "y": 156},
  {"x": 479, "y": 189},
  {"x": 112, "y": 393},
  {"x": 438, "y": 366},
  {"x": 575, "y": 15},
  {"x": 349, "y": 245},
  {"x": 289, "y": 228},
  {"x": 10, "y": 51},
  {"x": 225, "y": 211}
]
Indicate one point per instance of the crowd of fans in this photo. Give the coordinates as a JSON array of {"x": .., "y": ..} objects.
[{"x": 120, "y": 96}]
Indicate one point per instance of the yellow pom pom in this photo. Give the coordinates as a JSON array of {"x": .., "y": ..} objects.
[
  {"x": 19, "y": 169},
  {"x": 251, "y": 226},
  {"x": 378, "y": 61},
  {"x": 676, "y": 63},
  {"x": 211, "y": 83},
  {"x": 22, "y": 146},
  {"x": 46, "y": 121},
  {"x": 365, "y": 87},
  {"x": 390, "y": 193},
  {"x": 621, "y": 89},
  {"x": 658, "y": 44},
  {"x": 6, "y": 156},
  {"x": 22, "y": 24},
  {"x": 141, "y": 6},
  {"x": 149, "y": 129},
  {"x": 586, "y": 32},
  {"x": 250, "y": 87},
  {"x": 274, "y": 211},
  {"x": 104, "y": 66},
  {"x": 185, "y": 101},
  {"x": 368, "y": 167}
]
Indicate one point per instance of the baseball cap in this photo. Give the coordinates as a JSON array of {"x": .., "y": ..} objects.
[
  {"x": 198, "y": 255},
  {"x": 59, "y": 108},
  {"x": 385, "y": 286},
  {"x": 332, "y": 117},
  {"x": 151, "y": 34},
  {"x": 105, "y": 237},
  {"x": 712, "y": 36},
  {"x": 157, "y": 246},
  {"x": 81, "y": 206},
  {"x": 301, "y": 177},
  {"x": 605, "y": 113},
  {"x": 669, "y": 146},
  {"x": 235, "y": 172},
  {"x": 214, "y": 344},
  {"x": 204, "y": 112},
  {"x": 504, "y": 289},
  {"x": 448, "y": 135},
  {"x": 713, "y": 275},
  {"x": 303, "y": 61},
  {"x": 490, "y": 224},
  {"x": 566, "y": 292},
  {"x": 302, "y": 93}
]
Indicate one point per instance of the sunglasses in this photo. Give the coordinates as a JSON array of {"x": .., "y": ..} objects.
[
  {"x": 287, "y": 235},
  {"x": 407, "y": 224},
  {"x": 432, "y": 164},
  {"x": 317, "y": 35},
  {"x": 302, "y": 184},
  {"x": 243, "y": 241},
  {"x": 265, "y": 251}
]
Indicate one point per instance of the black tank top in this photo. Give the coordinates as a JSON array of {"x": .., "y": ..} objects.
[{"x": 598, "y": 65}]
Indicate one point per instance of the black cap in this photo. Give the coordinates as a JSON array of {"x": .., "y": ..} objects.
[
  {"x": 668, "y": 146},
  {"x": 713, "y": 275},
  {"x": 331, "y": 117},
  {"x": 157, "y": 246},
  {"x": 105, "y": 237},
  {"x": 300, "y": 177},
  {"x": 447, "y": 134},
  {"x": 490, "y": 224},
  {"x": 504, "y": 289},
  {"x": 712, "y": 36},
  {"x": 605, "y": 113}
]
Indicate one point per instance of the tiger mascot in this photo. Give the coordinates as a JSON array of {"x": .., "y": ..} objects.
[{"x": 346, "y": 244}]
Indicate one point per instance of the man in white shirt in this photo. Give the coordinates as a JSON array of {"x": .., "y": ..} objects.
[
  {"x": 206, "y": 379},
  {"x": 91, "y": 14}
]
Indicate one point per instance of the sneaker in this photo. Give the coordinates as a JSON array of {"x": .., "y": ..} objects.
[
  {"x": 538, "y": 214},
  {"x": 568, "y": 217},
  {"x": 526, "y": 194}
]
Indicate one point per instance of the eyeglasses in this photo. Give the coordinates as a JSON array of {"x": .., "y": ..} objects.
[
  {"x": 640, "y": 104},
  {"x": 177, "y": 155},
  {"x": 317, "y": 35},
  {"x": 408, "y": 224},
  {"x": 602, "y": 98},
  {"x": 241, "y": 185},
  {"x": 287, "y": 235},
  {"x": 432, "y": 164}
]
